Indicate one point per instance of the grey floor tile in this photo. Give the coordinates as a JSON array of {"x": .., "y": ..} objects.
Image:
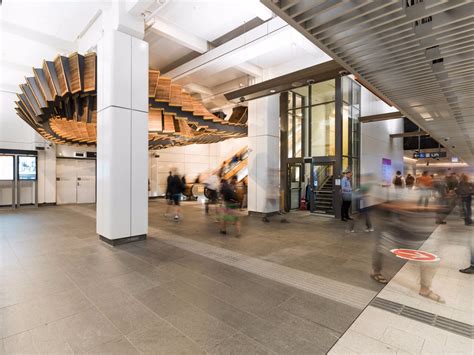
[
  {"x": 129, "y": 316},
  {"x": 86, "y": 330},
  {"x": 239, "y": 344},
  {"x": 162, "y": 338},
  {"x": 118, "y": 346},
  {"x": 133, "y": 282},
  {"x": 320, "y": 310},
  {"x": 202, "y": 328}
]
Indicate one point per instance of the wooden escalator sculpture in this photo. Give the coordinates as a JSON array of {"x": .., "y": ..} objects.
[{"x": 60, "y": 103}]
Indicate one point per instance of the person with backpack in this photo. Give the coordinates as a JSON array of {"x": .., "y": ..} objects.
[
  {"x": 399, "y": 183},
  {"x": 410, "y": 181}
]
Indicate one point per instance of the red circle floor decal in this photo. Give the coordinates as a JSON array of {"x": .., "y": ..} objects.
[{"x": 417, "y": 255}]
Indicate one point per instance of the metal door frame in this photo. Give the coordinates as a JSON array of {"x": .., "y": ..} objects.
[{"x": 318, "y": 161}]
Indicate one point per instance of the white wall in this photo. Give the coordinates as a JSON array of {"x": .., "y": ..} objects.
[
  {"x": 376, "y": 143},
  {"x": 16, "y": 134},
  {"x": 190, "y": 160}
]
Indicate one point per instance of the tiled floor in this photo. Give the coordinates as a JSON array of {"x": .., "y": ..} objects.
[
  {"x": 378, "y": 331},
  {"x": 186, "y": 289}
]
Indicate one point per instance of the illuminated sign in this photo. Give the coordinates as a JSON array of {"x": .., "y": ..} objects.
[
  {"x": 26, "y": 168},
  {"x": 6, "y": 167},
  {"x": 434, "y": 155}
]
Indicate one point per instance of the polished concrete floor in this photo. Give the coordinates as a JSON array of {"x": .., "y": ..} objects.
[{"x": 281, "y": 288}]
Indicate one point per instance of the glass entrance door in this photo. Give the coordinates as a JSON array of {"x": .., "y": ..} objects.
[
  {"x": 295, "y": 172},
  {"x": 322, "y": 188}
]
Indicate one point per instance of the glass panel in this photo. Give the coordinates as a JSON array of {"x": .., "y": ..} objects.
[
  {"x": 346, "y": 87},
  {"x": 301, "y": 97},
  {"x": 323, "y": 130},
  {"x": 345, "y": 129},
  {"x": 323, "y": 92},
  {"x": 290, "y": 134},
  {"x": 322, "y": 188},
  {"x": 298, "y": 132},
  {"x": 295, "y": 186},
  {"x": 290, "y": 100}
]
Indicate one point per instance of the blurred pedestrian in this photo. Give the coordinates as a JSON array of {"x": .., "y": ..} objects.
[
  {"x": 211, "y": 191},
  {"x": 176, "y": 188},
  {"x": 231, "y": 204},
  {"x": 346, "y": 189},
  {"x": 424, "y": 183},
  {"x": 403, "y": 226},
  {"x": 409, "y": 181},
  {"x": 465, "y": 190},
  {"x": 169, "y": 202},
  {"x": 443, "y": 198},
  {"x": 362, "y": 197}
]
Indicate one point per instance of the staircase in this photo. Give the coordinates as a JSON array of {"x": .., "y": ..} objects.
[{"x": 323, "y": 197}]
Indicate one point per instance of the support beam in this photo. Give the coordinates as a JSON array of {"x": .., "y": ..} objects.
[
  {"x": 250, "y": 69},
  {"x": 178, "y": 35},
  {"x": 409, "y": 134},
  {"x": 35, "y": 35},
  {"x": 258, "y": 41},
  {"x": 381, "y": 117}
]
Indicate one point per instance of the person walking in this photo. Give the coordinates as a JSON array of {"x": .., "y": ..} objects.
[
  {"x": 168, "y": 195},
  {"x": 212, "y": 188},
  {"x": 346, "y": 189},
  {"x": 425, "y": 183},
  {"x": 465, "y": 190},
  {"x": 399, "y": 183},
  {"x": 176, "y": 188},
  {"x": 409, "y": 181},
  {"x": 231, "y": 204}
]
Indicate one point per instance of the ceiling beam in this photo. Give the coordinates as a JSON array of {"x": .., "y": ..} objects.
[
  {"x": 35, "y": 35},
  {"x": 250, "y": 69},
  {"x": 178, "y": 35},
  {"x": 316, "y": 73},
  {"x": 234, "y": 52},
  {"x": 409, "y": 134},
  {"x": 381, "y": 117}
]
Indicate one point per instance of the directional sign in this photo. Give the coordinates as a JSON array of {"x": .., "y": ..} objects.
[
  {"x": 433, "y": 155},
  {"x": 417, "y": 255}
]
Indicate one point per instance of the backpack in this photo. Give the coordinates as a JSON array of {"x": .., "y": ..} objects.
[{"x": 397, "y": 181}]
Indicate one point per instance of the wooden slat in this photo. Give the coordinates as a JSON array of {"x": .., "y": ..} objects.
[
  {"x": 37, "y": 94},
  {"x": 90, "y": 72},
  {"x": 153, "y": 76},
  {"x": 168, "y": 123},
  {"x": 61, "y": 74},
  {"x": 43, "y": 83},
  {"x": 31, "y": 100},
  {"x": 75, "y": 72},
  {"x": 176, "y": 97},
  {"x": 187, "y": 102},
  {"x": 163, "y": 90},
  {"x": 51, "y": 76},
  {"x": 155, "y": 120}
]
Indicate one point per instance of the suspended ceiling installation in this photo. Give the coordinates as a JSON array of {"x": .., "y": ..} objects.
[
  {"x": 418, "y": 55},
  {"x": 60, "y": 103}
]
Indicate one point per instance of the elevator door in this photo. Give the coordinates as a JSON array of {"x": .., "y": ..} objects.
[
  {"x": 295, "y": 172},
  {"x": 75, "y": 181}
]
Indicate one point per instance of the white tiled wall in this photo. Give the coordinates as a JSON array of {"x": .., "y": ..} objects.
[{"x": 190, "y": 161}]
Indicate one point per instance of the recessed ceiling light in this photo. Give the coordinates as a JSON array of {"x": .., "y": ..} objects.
[
  {"x": 272, "y": 91},
  {"x": 429, "y": 119},
  {"x": 295, "y": 84}
]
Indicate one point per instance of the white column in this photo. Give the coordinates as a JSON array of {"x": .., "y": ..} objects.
[
  {"x": 264, "y": 155},
  {"x": 122, "y": 137}
]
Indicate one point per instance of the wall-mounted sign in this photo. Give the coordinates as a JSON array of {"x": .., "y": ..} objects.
[
  {"x": 434, "y": 155},
  {"x": 27, "y": 168},
  {"x": 386, "y": 172},
  {"x": 6, "y": 167}
]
